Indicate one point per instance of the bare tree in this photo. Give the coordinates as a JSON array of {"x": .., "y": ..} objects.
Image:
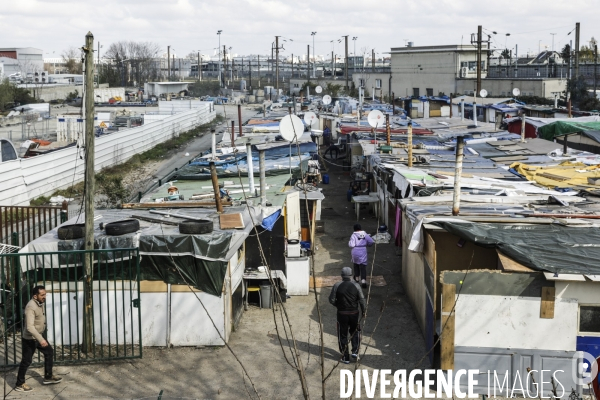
[
  {"x": 73, "y": 60},
  {"x": 133, "y": 63}
]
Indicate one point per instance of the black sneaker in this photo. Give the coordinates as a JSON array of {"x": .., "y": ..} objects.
[
  {"x": 52, "y": 380},
  {"x": 23, "y": 388},
  {"x": 345, "y": 360},
  {"x": 354, "y": 356}
]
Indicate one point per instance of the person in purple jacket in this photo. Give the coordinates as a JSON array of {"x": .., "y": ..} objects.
[{"x": 359, "y": 241}]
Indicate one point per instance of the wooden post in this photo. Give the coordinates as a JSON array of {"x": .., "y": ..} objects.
[
  {"x": 388, "y": 131},
  {"x": 232, "y": 132},
  {"x": 460, "y": 144},
  {"x": 215, "y": 183},
  {"x": 88, "y": 315},
  {"x": 448, "y": 325},
  {"x": 240, "y": 119},
  {"x": 409, "y": 144},
  {"x": 547, "y": 304}
]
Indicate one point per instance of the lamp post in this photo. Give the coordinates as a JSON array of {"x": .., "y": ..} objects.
[
  {"x": 314, "y": 59},
  {"x": 220, "y": 80}
]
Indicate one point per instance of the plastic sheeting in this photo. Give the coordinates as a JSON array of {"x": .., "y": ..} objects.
[
  {"x": 269, "y": 222},
  {"x": 566, "y": 174},
  {"x": 552, "y": 248},
  {"x": 561, "y": 128}
]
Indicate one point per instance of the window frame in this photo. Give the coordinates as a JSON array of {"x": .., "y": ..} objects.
[{"x": 585, "y": 333}]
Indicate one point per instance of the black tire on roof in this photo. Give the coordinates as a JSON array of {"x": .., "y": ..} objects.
[
  {"x": 122, "y": 227},
  {"x": 196, "y": 227},
  {"x": 71, "y": 231}
]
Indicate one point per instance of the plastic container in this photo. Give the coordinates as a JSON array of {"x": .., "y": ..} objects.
[
  {"x": 305, "y": 245},
  {"x": 325, "y": 179},
  {"x": 266, "y": 294}
]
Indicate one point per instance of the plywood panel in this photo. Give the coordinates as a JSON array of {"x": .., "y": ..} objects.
[
  {"x": 231, "y": 221},
  {"x": 547, "y": 304},
  {"x": 512, "y": 322},
  {"x": 510, "y": 265},
  {"x": 448, "y": 326}
]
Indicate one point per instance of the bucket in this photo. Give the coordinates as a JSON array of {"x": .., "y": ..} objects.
[
  {"x": 326, "y": 179},
  {"x": 266, "y": 295}
]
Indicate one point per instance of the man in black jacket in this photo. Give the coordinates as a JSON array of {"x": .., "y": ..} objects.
[{"x": 347, "y": 296}]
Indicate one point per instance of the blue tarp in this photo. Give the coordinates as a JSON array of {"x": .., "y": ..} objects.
[{"x": 269, "y": 222}]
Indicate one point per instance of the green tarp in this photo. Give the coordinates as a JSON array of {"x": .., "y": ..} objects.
[
  {"x": 562, "y": 128},
  {"x": 201, "y": 259},
  {"x": 543, "y": 247}
]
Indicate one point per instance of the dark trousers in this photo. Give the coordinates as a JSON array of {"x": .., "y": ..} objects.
[
  {"x": 331, "y": 150},
  {"x": 29, "y": 347},
  {"x": 345, "y": 323},
  {"x": 360, "y": 269}
]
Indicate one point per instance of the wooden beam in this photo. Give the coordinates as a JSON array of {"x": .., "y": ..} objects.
[
  {"x": 447, "y": 340},
  {"x": 547, "y": 304},
  {"x": 175, "y": 204}
]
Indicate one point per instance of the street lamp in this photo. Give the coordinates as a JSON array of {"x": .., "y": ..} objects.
[
  {"x": 354, "y": 62},
  {"x": 219, "y": 34},
  {"x": 314, "y": 59}
]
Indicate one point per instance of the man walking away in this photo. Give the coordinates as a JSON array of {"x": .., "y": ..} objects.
[
  {"x": 35, "y": 327},
  {"x": 359, "y": 241},
  {"x": 346, "y": 296}
]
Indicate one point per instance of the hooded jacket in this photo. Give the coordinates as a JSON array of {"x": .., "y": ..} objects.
[
  {"x": 347, "y": 297},
  {"x": 359, "y": 241}
]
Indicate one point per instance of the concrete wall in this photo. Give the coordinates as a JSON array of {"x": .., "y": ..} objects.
[
  {"x": 58, "y": 92},
  {"x": 27, "y": 178},
  {"x": 504, "y": 87}
]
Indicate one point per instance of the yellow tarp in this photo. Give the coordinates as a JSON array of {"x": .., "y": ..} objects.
[{"x": 567, "y": 174}]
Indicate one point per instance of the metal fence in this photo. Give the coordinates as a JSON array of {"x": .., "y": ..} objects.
[
  {"x": 116, "y": 330},
  {"x": 20, "y": 225}
]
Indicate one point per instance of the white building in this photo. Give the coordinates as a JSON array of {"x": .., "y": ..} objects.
[{"x": 25, "y": 61}]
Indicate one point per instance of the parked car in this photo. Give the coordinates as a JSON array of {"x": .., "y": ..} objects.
[{"x": 122, "y": 121}]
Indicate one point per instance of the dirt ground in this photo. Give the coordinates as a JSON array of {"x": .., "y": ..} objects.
[{"x": 390, "y": 331}]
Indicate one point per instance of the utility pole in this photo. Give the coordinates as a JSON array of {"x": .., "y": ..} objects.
[
  {"x": 224, "y": 64},
  {"x": 373, "y": 60},
  {"x": 168, "y": 63},
  {"x": 277, "y": 64},
  {"x": 250, "y": 73},
  {"x": 199, "y": 68},
  {"x": 88, "y": 315},
  {"x": 292, "y": 70},
  {"x": 478, "y": 59},
  {"x": 332, "y": 66},
  {"x": 577, "y": 50},
  {"x": 346, "y": 61},
  {"x": 219, "y": 48},
  {"x": 258, "y": 62},
  {"x": 308, "y": 63},
  {"x": 595, "y": 64},
  {"x": 98, "y": 65}
]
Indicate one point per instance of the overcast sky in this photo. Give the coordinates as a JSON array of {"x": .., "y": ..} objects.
[{"x": 249, "y": 26}]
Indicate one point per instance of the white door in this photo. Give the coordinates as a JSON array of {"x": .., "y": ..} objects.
[{"x": 292, "y": 215}]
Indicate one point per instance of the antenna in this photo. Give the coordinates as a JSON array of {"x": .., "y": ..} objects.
[
  {"x": 327, "y": 99},
  {"x": 516, "y": 92},
  {"x": 483, "y": 93},
  {"x": 318, "y": 89},
  {"x": 375, "y": 118},
  {"x": 291, "y": 127},
  {"x": 310, "y": 118}
]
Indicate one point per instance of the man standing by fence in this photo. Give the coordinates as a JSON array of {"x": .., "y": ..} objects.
[{"x": 35, "y": 328}]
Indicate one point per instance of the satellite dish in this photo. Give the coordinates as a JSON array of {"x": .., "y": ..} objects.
[
  {"x": 327, "y": 99},
  {"x": 516, "y": 92},
  {"x": 376, "y": 118},
  {"x": 310, "y": 118},
  {"x": 291, "y": 127},
  {"x": 318, "y": 89},
  {"x": 483, "y": 93}
]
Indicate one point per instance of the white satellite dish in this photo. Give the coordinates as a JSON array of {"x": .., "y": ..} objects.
[
  {"x": 516, "y": 92},
  {"x": 327, "y": 99},
  {"x": 318, "y": 89},
  {"x": 310, "y": 118},
  {"x": 291, "y": 127},
  {"x": 483, "y": 93},
  {"x": 376, "y": 119}
]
